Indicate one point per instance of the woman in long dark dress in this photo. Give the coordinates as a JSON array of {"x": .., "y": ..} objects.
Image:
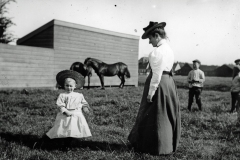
[{"x": 158, "y": 125}]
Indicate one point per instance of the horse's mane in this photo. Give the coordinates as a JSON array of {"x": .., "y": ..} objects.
[
  {"x": 96, "y": 60},
  {"x": 87, "y": 59}
]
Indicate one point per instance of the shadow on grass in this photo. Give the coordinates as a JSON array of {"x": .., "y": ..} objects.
[{"x": 61, "y": 143}]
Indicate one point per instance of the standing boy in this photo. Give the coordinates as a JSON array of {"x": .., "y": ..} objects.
[{"x": 196, "y": 78}]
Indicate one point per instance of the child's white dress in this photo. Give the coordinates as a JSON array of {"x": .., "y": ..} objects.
[{"x": 73, "y": 126}]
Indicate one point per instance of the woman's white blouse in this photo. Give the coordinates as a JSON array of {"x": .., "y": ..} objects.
[
  {"x": 161, "y": 59},
  {"x": 73, "y": 101}
]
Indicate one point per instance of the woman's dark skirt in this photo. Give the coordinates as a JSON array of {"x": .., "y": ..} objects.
[{"x": 158, "y": 125}]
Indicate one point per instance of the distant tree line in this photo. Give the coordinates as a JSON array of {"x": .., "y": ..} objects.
[{"x": 5, "y": 23}]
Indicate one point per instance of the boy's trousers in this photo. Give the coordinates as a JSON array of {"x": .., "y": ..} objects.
[
  {"x": 235, "y": 98},
  {"x": 195, "y": 91}
]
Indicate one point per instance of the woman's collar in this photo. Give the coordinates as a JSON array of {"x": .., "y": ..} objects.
[{"x": 162, "y": 41}]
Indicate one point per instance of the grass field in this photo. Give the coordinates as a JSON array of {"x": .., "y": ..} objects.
[
  {"x": 25, "y": 118},
  {"x": 211, "y": 83}
]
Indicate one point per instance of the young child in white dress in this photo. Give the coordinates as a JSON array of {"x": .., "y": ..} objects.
[{"x": 70, "y": 121}]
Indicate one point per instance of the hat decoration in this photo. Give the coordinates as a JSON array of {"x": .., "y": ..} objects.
[
  {"x": 61, "y": 76},
  {"x": 151, "y": 26}
]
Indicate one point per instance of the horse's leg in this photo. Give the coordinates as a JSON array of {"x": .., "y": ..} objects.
[
  {"x": 121, "y": 81},
  {"x": 101, "y": 77},
  {"x": 88, "y": 82}
]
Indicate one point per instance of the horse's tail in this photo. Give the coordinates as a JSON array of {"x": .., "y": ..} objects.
[{"x": 127, "y": 73}]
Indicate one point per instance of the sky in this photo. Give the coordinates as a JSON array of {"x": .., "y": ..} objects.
[{"x": 208, "y": 30}]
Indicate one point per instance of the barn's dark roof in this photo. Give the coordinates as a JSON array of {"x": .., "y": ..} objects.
[
  {"x": 206, "y": 68},
  {"x": 191, "y": 65},
  {"x": 176, "y": 63},
  {"x": 226, "y": 66},
  {"x": 181, "y": 64},
  {"x": 231, "y": 66},
  {"x": 73, "y": 25}
]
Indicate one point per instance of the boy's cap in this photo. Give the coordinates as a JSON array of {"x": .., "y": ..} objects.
[
  {"x": 61, "y": 76},
  {"x": 196, "y": 60},
  {"x": 237, "y": 60}
]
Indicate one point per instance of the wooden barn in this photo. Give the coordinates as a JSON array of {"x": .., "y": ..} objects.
[
  {"x": 208, "y": 70},
  {"x": 185, "y": 69},
  {"x": 177, "y": 66},
  {"x": 24, "y": 67},
  {"x": 224, "y": 71},
  {"x": 68, "y": 43}
]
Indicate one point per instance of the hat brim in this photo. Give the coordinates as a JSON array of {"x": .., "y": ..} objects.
[
  {"x": 61, "y": 76},
  {"x": 146, "y": 33}
]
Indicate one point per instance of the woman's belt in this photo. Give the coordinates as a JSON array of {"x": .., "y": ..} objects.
[{"x": 167, "y": 73}]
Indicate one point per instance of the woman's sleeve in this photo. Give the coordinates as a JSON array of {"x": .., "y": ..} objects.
[
  {"x": 157, "y": 64},
  {"x": 60, "y": 103}
]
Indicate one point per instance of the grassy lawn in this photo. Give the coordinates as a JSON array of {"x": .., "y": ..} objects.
[
  {"x": 25, "y": 118},
  {"x": 211, "y": 83}
]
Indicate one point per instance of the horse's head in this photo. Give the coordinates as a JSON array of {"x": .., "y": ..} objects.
[
  {"x": 87, "y": 61},
  {"x": 90, "y": 62},
  {"x": 81, "y": 68},
  {"x": 88, "y": 70}
]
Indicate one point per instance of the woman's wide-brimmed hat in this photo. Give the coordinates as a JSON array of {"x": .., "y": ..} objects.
[
  {"x": 151, "y": 26},
  {"x": 61, "y": 76}
]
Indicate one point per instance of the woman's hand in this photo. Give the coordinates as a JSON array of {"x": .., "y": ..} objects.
[
  {"x": 68, "y": 114},
  {"x": 149, "y": 98}
]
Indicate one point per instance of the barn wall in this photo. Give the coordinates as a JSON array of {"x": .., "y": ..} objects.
[
  {"x": 75, "y": 45},
  {"x": 224, "y": 71},
  {"x": 42, "y": 39},
  {"x": 184, "y": 70},
  {"x": 22, "y": 67}
]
